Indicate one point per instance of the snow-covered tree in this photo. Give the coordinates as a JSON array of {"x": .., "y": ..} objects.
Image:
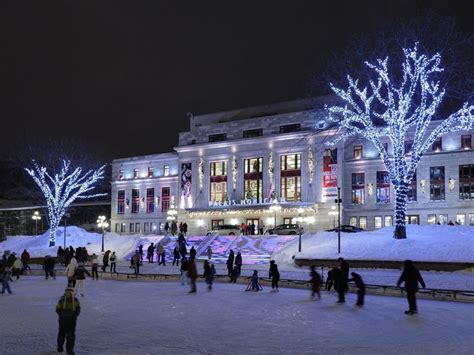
[
  {"x": 399, "y": 112},
  {"x": 63, "y": 188}
]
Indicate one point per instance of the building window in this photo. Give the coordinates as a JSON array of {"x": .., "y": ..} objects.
[
  {"x": 443, "y": 219},
  {"x": 290, "y": 128},
  {"x": 431, "y": 219},
  {"x": 290, "y": 182},
  {"x": 117, "y": 227},
  {"x": 471, "y": 219},
  {"x": 217, "y": 222},
  {"x": 437, "y": 183},
  {"x": 165, "y": 199},
  {"x": 437, "y": 145},
  {"x": 132, "y": 227},
  {"x": 123, "y": 228},
  {"x": 408, "y": 147},
  {"x": 120, "y": 201},
  {"x": 388, "y": 221},
  {"x": 466, "y": 141},
  {"x": 353, "y": 221},
  {"x": 135, "y": 173},
  {"x": 358, "y": 188},
  {"x": 121, "y": 175},
  {"x": 150, "y": 197},
  {"x": 412, "y": 219},
  {"x": 363, "y": 222},
  {"x": 378, "y": 222},
  {"x": 411, "y": 196},
  {"x": 466, "y": 182},
  {"x": 217, "y": 137},
  {"x": 146, "y": 227},
  {"x": 253, "y": 133},
  {"x": 383, "y": 187},
  {"x": 218, "y": 181},
  {"x": 358, "y": 152},
  {"x": 461, "y": 219},
  {"x": 253, "y": 178},
  {"x": 150, "y": 172},
  {"x": 137, "y": 227},
  {"x": 135, "y": 200},
  {"x": 166, "y": 170}
]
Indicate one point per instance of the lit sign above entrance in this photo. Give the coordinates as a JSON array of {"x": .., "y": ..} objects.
[{"x": 245, "y": 202}]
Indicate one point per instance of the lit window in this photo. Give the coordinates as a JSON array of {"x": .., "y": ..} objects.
[
  {"x": 461, "y": 219},
  {"x": 437, "y": 145},
  {"x": 443, "y": 219},
  {"x": 363, "y": 222},
  {"x": 353, "y": 221},
  {"x": 135, "y": 173},
  {"x": 408, "y": 147},
  {"x": 388, "y": 221},
  {"x": 135, "y": 200},
  {"x": 358, "y": 188},
  {"x": 431, "y": 219},
  {"x": 471, "y": 219},
  {"x": 383, "y": 187},
  {"x": 150, "y": 197},
  {"x": 253, "y": 178},
  {"x": 466, "y": 182},
  {"x": 290, "y": 182},
  {"x": 218, "y": 181},
  {"x": 378, "y": 222},
  {"x": 437, "y": 183},
  {"x": 120, "y": 201},
  {"x": 166, "y": 170},
  {"x": 358, "y": 152},
  {"x": 466, "y": 141},
  {"x": 411, "y": 197}
]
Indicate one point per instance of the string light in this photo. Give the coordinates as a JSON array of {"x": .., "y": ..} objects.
[
  {"x": 391, "y": 111},
  {"x": 64, "y": 188}
]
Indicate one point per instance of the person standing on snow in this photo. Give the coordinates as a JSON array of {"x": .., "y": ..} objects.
[
  {"x": 316, "y": 282},
  {"x": 411, "y": 277},
  {"x": 274, "y": 274},
  {"x": 344, "y": 267},
  {"x": 68, "y": 309},
  {"x": 136, "y": 262},
  {"x": 357, "y": 279},
  {"x": 340, "y": 285},
  {"x": 16, "y": 268},
  {"x": 105, "y": 260}
]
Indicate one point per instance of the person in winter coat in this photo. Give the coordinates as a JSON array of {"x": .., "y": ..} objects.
[
  {"x": 357, "y": 279},
  {"x": 209, "y": 272},
  {"x": 340, "y": 284},
  {"x": 230, "y": 262},
  {"x": 234, "y": 274},
  {"x": 209, "y": 252},
  {"x": 67, "y": 309},
  {"x": 167, "y": 228},
  {"x": 48, "y": 266},
  {"x": 149, "y": 253},
  {"x": 174, "y": 228},
  {"x": 70, "y": 271},
  {"x": 238, "y": 262},
  {"x": 6, "y": 278},
  {"x": 316, "y": 282},
  {"x": 330, "y": 279},
  {"x": 344, "y": 267},
  {"x": 184, "y": 271},
  {"x": 192, "y": 273},
  {"x": 60, "y": 254},
  {"x": 192, "y": 253},
  {"x": 113, "y": 263},
  {"x": 176, "y": 255},
  {"x": 185, "y": 228},
  {"x": 274, "y": 274},
  {"x": 80, "y": 276},
  {"x": 411, "y": 277},
  {"x": 95, "y": 267},
  {"x": 254, "y": 285},
  {"x": 16, "y": 268},
  {"x": 25, "y": 259},
  {"x": 105, "y": 260},
  {"x": 160, "y": 249},
  {"x": 136, "y": 262}
]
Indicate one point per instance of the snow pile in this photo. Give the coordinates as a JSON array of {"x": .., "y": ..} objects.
[
  {"x": 424, "y": 243},
  {"x": 37, "y": 246}
]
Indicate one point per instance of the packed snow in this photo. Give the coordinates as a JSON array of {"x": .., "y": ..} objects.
[
  {"x": 120, "y": 317},
  {"x": 424, "y": 243}
]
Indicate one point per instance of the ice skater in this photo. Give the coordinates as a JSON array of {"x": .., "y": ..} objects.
[
  {"x": 357, "y": 279},
  {"x": 230, "y": 262},
  {"x": 95, "y": 267},
  {"x": 192, "y": 273},
  {"x": 274, "y": 274},
  {"x": 68, "y": 309},
  {"x": 113, "y": 263},
  {"x": 253, "y": 284},
  {"x": 316, "y": 282},
  {"x": 411, "y": 277},
  {"x": 80, "y": 277},
  {"x": 209, "y": 272},
  {"x": 6, "y": 278}
]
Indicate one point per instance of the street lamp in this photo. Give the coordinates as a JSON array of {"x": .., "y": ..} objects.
[
  {"x": 275, "y": 208},
  {"x": 102, "y": 223},
  {"x": 300, "y": 221},
  {"x": 36, "y": 217}
]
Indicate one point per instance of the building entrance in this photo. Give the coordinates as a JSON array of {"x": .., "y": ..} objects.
[{"x": 256, "y": 222}]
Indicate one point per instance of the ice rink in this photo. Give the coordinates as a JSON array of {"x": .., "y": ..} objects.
[{"x": 120, "y": 317}]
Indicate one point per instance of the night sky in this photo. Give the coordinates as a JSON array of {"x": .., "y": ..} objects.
[{"x": 121, "y": 75}]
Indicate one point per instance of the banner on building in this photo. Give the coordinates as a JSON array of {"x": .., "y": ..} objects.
[
  {"x": 330, "y": 173},
  {"x": 186, "y": 184}
]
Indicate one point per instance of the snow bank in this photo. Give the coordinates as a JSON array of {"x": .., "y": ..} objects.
[
  {"x": 37, "y": 246},
  {"x": 424, "y": 243}
]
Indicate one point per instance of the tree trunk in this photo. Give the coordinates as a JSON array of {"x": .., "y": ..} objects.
[
  {"x": 401, "y": 192},
  {"x": 52, "y": 232}
]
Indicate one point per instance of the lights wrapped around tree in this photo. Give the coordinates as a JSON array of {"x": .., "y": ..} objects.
[
  {"x": 271, "y": 171},
  {"x": 234, "y": 172},
  {"x": 201, "y": 174},
  {"x": 64, "y": 188},
  {"x": 311, "y": 165},
  {"x": 398, "y": 111}
]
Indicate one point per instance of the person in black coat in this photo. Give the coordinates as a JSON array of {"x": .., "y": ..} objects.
[
  {"x": 357, "y": 279},
  {"x": 330, "y": 279},
  {"x": 176, "y": 255},
  {"x": 192, "y": 253},
  {"x": 238, "y": 262},
  {"x": 316, "y": 282},
  {"x": 274, "y": 274},
  {"x": 340, "y": 285},
  {"x": 344, "y": 267},
  {"x": 411, "y": 277},
  {"x": 230, "y": 262}
]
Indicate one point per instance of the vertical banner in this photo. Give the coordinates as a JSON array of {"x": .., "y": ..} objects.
[
  {"x": 186, "y": 184},
  {"x": 329, "y": 173}
]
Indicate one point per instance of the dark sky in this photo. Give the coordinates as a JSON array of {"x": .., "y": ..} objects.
[{"x": 121, "y": 75}]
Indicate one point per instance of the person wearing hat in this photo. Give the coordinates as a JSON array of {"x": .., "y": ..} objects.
[{"x": 68, "y": 309}]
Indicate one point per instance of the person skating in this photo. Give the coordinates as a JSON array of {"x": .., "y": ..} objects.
[
  {"x": 6, "y": 278},
  {"x": 176, "y": 255},
  {"x": 80, "y": 277},
  {"x": 16, "y": 268},
  {"x": 209, "y": 272},
  {"x": 331, "y": 278},
  {"x": 254, "y": 285},
  {"x": 192, "y": 253},
  {"x": 95, "y": 267},
  {"x": 167, "y": 228},
  {"x": 136, "y": 262},
  {"x": 238, "y": 262},
  {"x": 67, "y": 309},
  {"x": 25, "y": 259},
  {"x": 357, "y": 279},
  {"x": 185, "y": 228},
  {"x": 340, "y": 285},
  {"x": 60, "y": 255},
  {"x": 140, "y": 251},
  {"x": 174, "y": 228},
  {"x": 113, "y": 263},
  {"x": 149, "y": 254},
  {"x": 184, "y": 271},
  {"x": 316, "y": 282},
  {"x": 48, "y": 266},
  {"x": 274, "y": 274},
  {"x": 411, "y": 277},
  {"x": 105, "y": 260},
  {"x": 230, "y": 262},
  {"x": 234, "y": 274},
  {"x": 192, "y": 273},
  {"x": 160, "y": 249},
  {"x": 344, "y": 267}
]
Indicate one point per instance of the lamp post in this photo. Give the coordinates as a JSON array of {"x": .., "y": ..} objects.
[
  {"x": 338, "y": 201},
  {"x": 300, "y": 221},
  {"x": 36, "y": 217},
  {"x": 275, "y": 208},
  {"x": 102, "y": 223}
]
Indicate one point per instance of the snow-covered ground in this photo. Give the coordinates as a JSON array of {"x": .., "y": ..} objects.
[
  {"x": 424, "y": 243},
  {"x": 162, "y": 318}
]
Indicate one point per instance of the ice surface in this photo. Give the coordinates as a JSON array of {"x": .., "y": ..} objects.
[{"x": 162, "y": 318}]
